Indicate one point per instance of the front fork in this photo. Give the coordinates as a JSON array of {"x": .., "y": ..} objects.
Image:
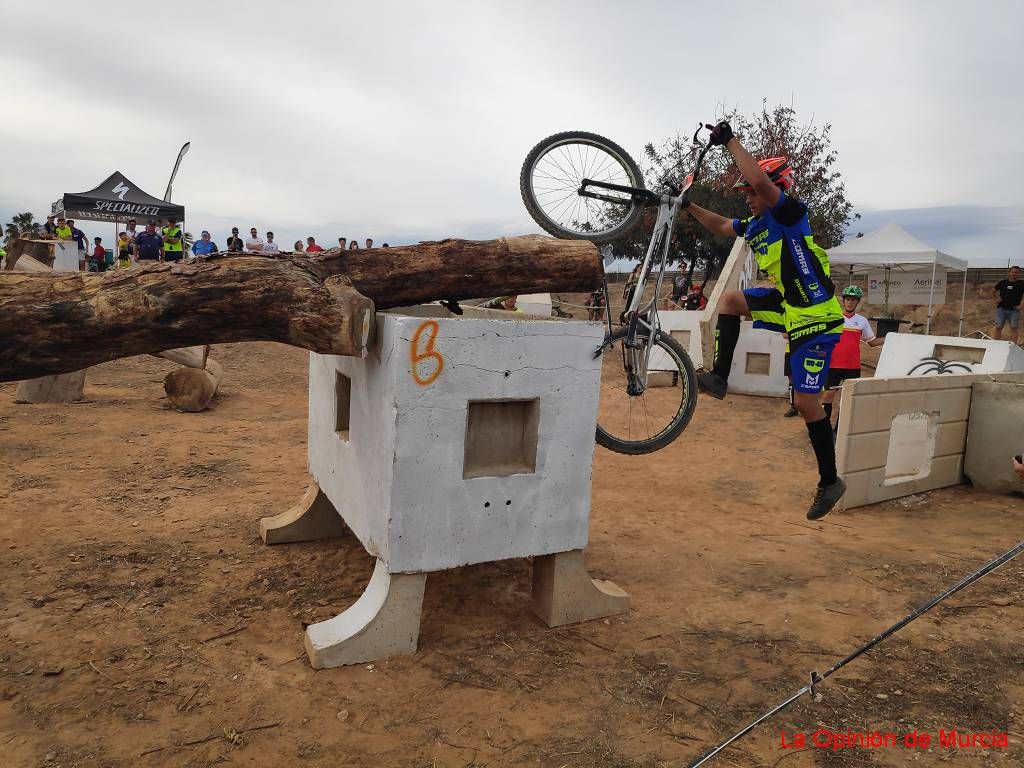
[{"x": 635, "y": 353}]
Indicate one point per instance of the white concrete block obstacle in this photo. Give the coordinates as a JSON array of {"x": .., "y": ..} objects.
[
  {"x": 457, "y": 440},
  {"x": 907, "y": 354}
]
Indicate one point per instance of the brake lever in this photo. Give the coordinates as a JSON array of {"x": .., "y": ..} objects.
[{"x": 698, "y": 142}]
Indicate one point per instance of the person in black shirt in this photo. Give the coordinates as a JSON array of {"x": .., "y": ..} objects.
[
  {"x": 1008, "y": 294},
  {"x": 235, "y": 244}
]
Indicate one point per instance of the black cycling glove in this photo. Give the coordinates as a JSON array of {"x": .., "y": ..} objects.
[{"x": 720, "y": 134}]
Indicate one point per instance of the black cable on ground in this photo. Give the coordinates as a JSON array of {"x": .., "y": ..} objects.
[{"x": 816, "y": 678}]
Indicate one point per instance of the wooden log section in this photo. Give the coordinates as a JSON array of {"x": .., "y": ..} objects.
[
  {"x": 64, "y": 388},
  {"x": 62, "y": 322},
  {"x": 191, "y": 389}
]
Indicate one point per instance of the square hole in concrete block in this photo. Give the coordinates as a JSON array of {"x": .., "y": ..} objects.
[
  {"x": 343, "y": 404},
  {"x": 911, "y": 447},
  {"x": 759, "y": 363},
  {"x": 954, "y": 353},
  {"x": 683, "y": 337},
  {"x": 501, "y": 438}
]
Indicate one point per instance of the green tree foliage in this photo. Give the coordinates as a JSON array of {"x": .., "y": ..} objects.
[
  {"x": 19, "y": 225},
  {"x": 769, "y": 133}
]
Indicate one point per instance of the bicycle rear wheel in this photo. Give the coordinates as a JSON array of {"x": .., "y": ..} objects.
[
  {"x": 643, "y": 411},
  {"x": 550, "y": 181}
]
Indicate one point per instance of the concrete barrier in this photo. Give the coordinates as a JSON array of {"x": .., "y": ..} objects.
[
  {"x": 457, "y": 440},
  {"x": 908, "y": 354},
  {"x": 906, "y": 435}
]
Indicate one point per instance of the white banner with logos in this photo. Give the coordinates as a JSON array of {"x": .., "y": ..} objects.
[{"x": 907, "y": 287}]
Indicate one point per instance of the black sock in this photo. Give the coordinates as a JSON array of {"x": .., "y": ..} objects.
[
  {"x": 820, "y": 433},
  {"x": 726, "y": 335},
  {"x": 828, "y": 411}
]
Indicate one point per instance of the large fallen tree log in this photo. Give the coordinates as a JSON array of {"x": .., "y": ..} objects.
[{"x": 61, "y": 322}]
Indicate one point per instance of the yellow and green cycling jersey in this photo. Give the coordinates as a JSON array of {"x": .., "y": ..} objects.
[{"x": 784, "y": 247}]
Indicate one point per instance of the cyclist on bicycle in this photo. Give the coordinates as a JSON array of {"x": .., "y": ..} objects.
[
  {"x": 846, "y": 357},
  {"x": 802, "y": 304}
]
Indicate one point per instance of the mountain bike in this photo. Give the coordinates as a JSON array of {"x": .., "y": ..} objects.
[{"x": 581, "y": 186}]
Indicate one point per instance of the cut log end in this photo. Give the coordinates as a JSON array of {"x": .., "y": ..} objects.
[{"x": 191, "y": 389}]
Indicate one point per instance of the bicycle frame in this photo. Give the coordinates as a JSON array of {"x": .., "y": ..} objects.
[{"x": 635, "y": 356}]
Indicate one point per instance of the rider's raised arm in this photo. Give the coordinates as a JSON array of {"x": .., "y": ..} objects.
[
  {"x": 711, "y": 221},
  {"x": 752, "y": 172}
]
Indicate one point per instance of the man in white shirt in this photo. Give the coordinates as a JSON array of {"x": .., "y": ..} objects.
[
  {"x": 254, "y": 243},
  {"x": 270, "y": 246}
]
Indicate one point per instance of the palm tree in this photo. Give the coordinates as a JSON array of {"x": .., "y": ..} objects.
[{"x": 20, "y": 224}]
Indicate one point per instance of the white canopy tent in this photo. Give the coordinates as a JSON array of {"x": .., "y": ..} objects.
[{"x": 893, "y": 247}]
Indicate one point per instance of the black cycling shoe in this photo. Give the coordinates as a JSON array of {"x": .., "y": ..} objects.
[
  {"x": 825, "y": 498},
  {"x": 791, "y": 412},
  {"x": 712, "y": 384}
]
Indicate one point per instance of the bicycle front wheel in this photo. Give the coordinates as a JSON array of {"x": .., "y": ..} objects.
[
  {"x": 550, "y": 181},
  {"x": 640, "y": 410}
]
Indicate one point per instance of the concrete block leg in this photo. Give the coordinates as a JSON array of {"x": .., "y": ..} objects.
[
  {"x": 314, "y": 517},
  {"x": 384, "y": 621},
  {"x": 564, "y": 593}
]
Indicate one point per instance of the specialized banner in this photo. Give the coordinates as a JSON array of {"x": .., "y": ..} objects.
[
  {"x": 907, "y": 287},
  {"x": 117, "y": 199}
]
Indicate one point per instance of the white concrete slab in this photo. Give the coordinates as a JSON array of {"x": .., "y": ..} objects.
[
  {"x": 396, "y": 470},
  {"x": 65, "y": 256},
  {"x": 909, "y": 354},
  {"x": 759, "y": 363},
  {"x": 535, "y": 304},
  {"x": 684, "y": 326}
]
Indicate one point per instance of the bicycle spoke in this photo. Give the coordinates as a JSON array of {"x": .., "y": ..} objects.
[{"x": 638, "y": 419}]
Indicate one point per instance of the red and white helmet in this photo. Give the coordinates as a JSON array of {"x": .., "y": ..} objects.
[{"x": 778, "y": 170}]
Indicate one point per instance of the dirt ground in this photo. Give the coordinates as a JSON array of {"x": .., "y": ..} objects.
[{"x": 143, "y": 622}]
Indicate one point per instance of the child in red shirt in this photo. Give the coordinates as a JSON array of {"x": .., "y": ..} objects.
[{"x": 98, "y": 259}]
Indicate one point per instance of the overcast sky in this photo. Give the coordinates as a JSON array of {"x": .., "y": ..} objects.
[{"x": 405, "y": 121}]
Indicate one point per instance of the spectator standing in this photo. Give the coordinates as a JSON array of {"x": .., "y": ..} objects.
[
  {"x": 297, "y": 248},
  {"x": 62, "y": 230},
  {"x": 80, "y": 240},
  {"x": 628, "y": 290},
  {"x": 385, "y": 246},
  {"x": 235, "y": 242},
  {"x": 132, "y": 229},
  {"x": 124, "y": 250},
  {"x": 369, "y": 243},
  {"x": 173, "y": 248},
  {"x": 678, "y": 290},
  {"x": 342, "y": 243},
  {"x": 311, "y": 246},
  {"x": 254, "y": 243},
  {"x": 49, "y": 226},
  {"x": 595, "y": 305},
  {"x": 1008, "y": 294},
  {"x": 98, "y": 257},
  {"x": 845, "y": 362},
  {"x": 270, "y": 246},
  {"x": 149, "y": 245},
  {"x": 354, "y": 245},
  {"x": 204, "y": 246}
]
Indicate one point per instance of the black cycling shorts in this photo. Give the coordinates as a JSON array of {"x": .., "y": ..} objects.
[{"x": 836, "y": 376}]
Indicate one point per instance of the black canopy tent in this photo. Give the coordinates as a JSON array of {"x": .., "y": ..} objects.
[{"x": 117, "y": 200}]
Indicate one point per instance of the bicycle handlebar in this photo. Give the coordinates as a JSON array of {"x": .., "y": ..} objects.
[{"x": 700, "y": 160}]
